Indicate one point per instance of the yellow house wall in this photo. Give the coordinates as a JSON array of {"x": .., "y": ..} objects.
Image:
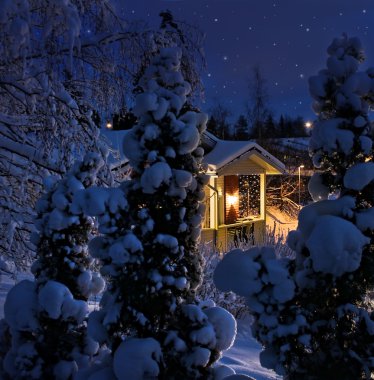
[
  {"x": 208, "y": 237},
  {"x": 207, "y": 216}
]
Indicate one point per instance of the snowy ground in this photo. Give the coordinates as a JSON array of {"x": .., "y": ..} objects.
[
  {"x": 6, "y": 283},
  {"x": 243, "y": 357}
]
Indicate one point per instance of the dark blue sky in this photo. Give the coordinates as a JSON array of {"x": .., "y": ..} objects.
[{"x": 286, "y": 38}]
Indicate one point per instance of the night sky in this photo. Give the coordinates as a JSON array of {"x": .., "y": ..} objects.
[{"x": 286, "y": 38}]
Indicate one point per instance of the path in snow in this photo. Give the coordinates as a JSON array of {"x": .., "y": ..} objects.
[{"x": 243, "y": 357}]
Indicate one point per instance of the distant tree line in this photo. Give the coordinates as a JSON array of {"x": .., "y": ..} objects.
[
  {"x": 242, "y": 129},
  {"x": 258, "y": 122}
]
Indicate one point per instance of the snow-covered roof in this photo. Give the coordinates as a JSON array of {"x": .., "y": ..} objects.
[
  {"x": 226, "y": 152},
  {"x": 221, "y": 152}
]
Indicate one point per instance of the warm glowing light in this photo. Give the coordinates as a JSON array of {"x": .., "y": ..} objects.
[
  {"x": 301, "y": 166},
  {"x": 109, "y": 125},
  {"x": 232, "y": 199},
  {"x": 308, "y": 124}
]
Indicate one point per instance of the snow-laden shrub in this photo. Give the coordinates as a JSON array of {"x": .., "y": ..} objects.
[
  {"x": 230, "y": 301},
  {"x": 45, "y": 318},
  {"x": 208, "y": 291},
  {"x": 312, "y": 313}
]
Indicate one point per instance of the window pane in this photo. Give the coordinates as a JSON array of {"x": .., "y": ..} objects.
[
  {"x": 231, "y": 199},
  {"x": 249, "y": 196}
]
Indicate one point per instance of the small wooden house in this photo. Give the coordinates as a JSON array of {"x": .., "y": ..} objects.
[{"x": 235, "y": 195}]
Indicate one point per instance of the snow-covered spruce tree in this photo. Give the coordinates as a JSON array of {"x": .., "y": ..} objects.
[
  {"x": 334, "y": 240},
  {"x": 190, "y": 41},
  {"x": 64, "y": 232},
  {"x": 45, "y": 317},
  {"x": 311, "y": 314},
  {"x": 148, "y": 317}
]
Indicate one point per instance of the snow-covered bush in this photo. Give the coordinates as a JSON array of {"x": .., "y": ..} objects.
[
  {"x": 230, "y": 301},
  {"x": 45, "y": 318},
  {"x": 312, "y": 314},
  {"x": 208, "y": 291}
]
